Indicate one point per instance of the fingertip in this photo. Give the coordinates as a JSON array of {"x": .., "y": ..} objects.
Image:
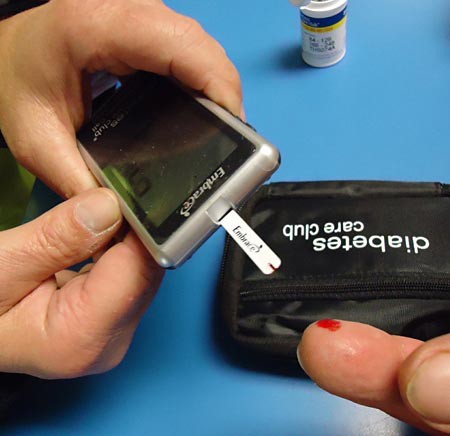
[
  {"x": 156, "y": 272},
  {"x": 69, "y": 180},
  {"x": 352, "y": 360},
  {"x": 65, "y": 171},
  {"x": 64, "y": 276},
  {"x": 315, "y": 348},
  {"x": 428, "y": 391},
  {"x": 424, "y": 382},
  {"x": 242, "y": 114},
  {"x": 225, "y": 94},
  {"x": 84, "y": 181}
]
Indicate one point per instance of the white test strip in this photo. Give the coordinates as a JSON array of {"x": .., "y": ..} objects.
[{"x": 255, "y": 248}]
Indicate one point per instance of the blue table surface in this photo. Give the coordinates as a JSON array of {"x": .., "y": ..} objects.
[{"x": 382, "y": 113}]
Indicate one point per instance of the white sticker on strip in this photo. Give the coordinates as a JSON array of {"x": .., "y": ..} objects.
[{"x": 255, "y": 248}]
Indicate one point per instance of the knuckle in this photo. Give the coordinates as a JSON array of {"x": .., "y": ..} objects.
[
  {"x": 233, "y": 76},
  {"x": 114, "y": 361},
  {"x": 69, "y": 185},
  {"x": 89, "y": 357},
  {"x": 234, "y": 73},
  {"x": 82, "y": 22},
  {"x": 76, "y": 357},
  {"x": 220, "y": 50},
  {"x": 189, "y": 31},
  {"x": 85, "y": 363},
  {"x": 53, "y": 240},
  {"x": 23, "y": 152},
  {"x": 87, "y": 347},
  {"x": 65, "y": 11},
  {"x": 73, "y": 365}
]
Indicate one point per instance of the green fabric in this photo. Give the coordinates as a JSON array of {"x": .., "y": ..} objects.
[{"x": 15, "y": 188}]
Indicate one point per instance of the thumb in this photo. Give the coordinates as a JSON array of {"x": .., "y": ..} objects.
[
  {"x": 64, "y": 236},
  {"x": 424, "y": 380}
]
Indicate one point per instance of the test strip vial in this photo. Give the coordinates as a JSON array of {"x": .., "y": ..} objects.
[{"x": 324, "y": 31}]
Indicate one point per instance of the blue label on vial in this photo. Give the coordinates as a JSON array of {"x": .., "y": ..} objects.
[{"x": 323, "y": 22}]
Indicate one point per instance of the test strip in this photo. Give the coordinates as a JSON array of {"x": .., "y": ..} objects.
[{"x": 255, "y": 248}]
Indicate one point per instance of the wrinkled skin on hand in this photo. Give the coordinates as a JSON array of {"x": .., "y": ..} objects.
[
  {"x": 54, "y": 322},
  {"x": 48, "y": 52},
  {"x": 407, "y": 378}
]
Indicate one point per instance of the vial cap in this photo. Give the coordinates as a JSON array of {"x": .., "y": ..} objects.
[{"x": 301, "y": 3}]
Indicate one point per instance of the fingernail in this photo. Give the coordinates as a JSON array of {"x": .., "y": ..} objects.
[
  {"x": 242, "y": 113},
  {"x": 299, "y": 358},
  {"x": 98, "y": 211},
  {"x": 428, "y": 391}
]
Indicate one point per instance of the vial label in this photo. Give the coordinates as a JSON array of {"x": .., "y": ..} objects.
[{"x": 324, "y": 39}]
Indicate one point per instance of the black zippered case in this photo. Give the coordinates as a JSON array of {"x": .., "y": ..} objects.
[{"x": 373, "y": 252}]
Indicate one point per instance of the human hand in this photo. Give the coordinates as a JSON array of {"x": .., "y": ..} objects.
[
  {"x": 47, "y": 53},
  {"x": 56, "y": 323},
  {"x": 404, "y": 377}
]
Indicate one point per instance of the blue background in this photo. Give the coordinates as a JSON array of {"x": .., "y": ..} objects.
[{"x": 382, "y": 113}]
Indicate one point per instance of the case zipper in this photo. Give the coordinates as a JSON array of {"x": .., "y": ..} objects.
[{"x": 343, "y": 290}]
